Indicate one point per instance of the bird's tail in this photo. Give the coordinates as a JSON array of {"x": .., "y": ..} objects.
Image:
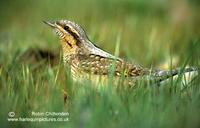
[{"x": 161, "y": 75}]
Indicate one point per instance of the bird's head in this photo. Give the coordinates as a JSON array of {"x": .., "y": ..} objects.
[
  {"x": 74, "y": 39},
  {"x": 72, "y": 36}
]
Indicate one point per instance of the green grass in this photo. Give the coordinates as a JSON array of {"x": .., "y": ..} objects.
[{"x": 151, "y": 33}]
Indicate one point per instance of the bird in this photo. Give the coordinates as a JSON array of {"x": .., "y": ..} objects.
[{"x": 89, "y": 62}]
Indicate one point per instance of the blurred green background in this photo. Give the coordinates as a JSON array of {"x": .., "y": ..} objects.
[
  {"x": 153, "y": 33},
  {"x": 149, "y": 30}
]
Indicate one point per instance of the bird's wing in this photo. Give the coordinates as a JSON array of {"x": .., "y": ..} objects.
[{"x": 101, "y": 65}]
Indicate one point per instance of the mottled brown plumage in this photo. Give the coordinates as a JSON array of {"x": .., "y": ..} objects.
[{"x": 90, "y": 62}]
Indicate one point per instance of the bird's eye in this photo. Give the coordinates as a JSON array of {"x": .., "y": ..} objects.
[{"x": 66, "y": 28}]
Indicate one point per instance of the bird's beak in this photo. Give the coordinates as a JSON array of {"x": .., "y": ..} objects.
[{"x": 50, "y": 23}]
